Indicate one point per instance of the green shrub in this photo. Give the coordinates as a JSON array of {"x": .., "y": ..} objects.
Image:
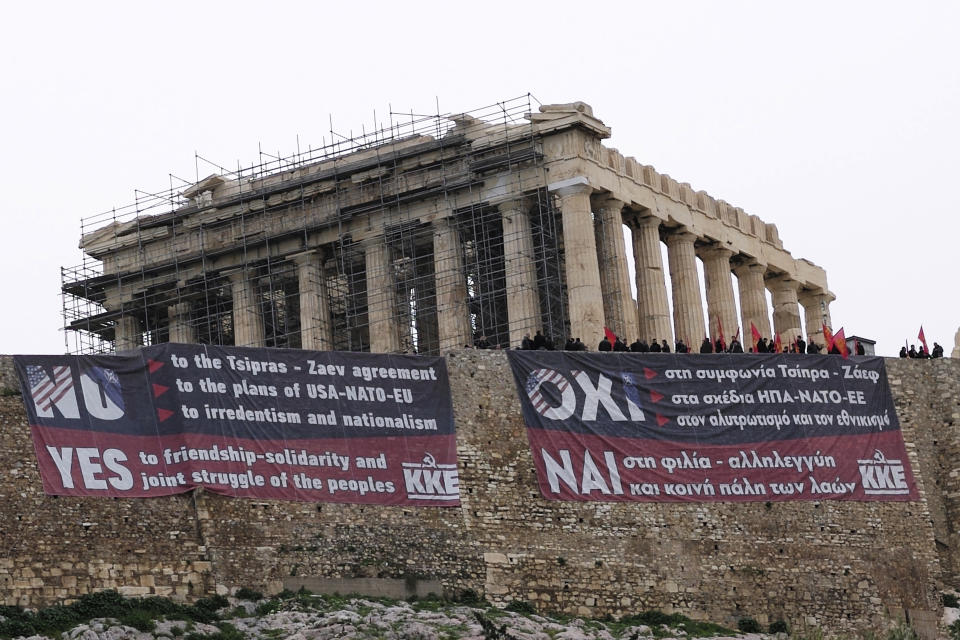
[
  {"x": 55, "y": 618},
  {"x": 268, "y": 607},
  {"x": 779, "y": 626},
  {"x": 139, "y": 620},
  {"x": 954, "y": 630},
  {"x": 227, "y": 632},
  {"x": 748, "y": 625},
  {"x": 102, "y": 604},
  {"x": 160, "y": 606},
  {"x": 9, "y": 611},
  {"x": 248, "y": 594},
  {"x": 950, "y": 600},
  {"x": 11, "y": 628},
  {"x": 520, "y": 606},
  {"x": 212, "y": 603},
  {"x": 468, "y": 596}
]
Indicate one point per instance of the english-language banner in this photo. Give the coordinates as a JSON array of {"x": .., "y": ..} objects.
[
  {"x": 711, "y": 428},
  {"x": 282, "y": 424}
]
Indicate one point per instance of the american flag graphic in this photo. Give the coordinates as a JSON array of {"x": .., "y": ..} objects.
[
  {"x": 534, "y": 385},
  {"x": 46, "y": 392}
]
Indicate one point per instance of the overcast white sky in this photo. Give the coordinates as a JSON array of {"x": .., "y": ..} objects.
[{"x": 839, "y": 122}]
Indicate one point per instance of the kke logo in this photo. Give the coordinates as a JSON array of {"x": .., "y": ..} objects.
[
  {"x": 427, "y": 480},
  {"x": 99, "y": 389},
  {"x": 882, "y": 477}
]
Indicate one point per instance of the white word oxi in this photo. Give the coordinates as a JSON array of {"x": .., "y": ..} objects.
[{"x": 594, "y": 396}]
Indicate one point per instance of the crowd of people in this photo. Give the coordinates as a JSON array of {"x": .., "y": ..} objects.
[
  {"x": 913, "y": 352},
  {"x": 540, "y": 342}
]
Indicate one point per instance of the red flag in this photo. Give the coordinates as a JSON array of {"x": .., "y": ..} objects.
[
  {"x": 723, "y": 342},
  {"x": 755, "y": 335},
  {"x": 778, "y": 345},
  {"x": 611, "y": 336},
  {"x": 737, "y": 334},
  {"x": 840, "y": 342},
  {"x": 923, "y": 340},
  {"x": 827, "y": 338}
]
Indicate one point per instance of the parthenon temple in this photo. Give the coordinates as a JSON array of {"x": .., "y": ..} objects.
[{"x": 431, "y": 232}]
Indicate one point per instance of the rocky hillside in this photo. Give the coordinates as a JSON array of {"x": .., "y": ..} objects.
[{"x": 109, "y": 616}]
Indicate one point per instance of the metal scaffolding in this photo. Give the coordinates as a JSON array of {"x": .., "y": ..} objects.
[{"x": 215, "y": 261}]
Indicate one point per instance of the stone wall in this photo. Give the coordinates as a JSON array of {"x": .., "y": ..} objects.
[{"x": 838, "y": 565}]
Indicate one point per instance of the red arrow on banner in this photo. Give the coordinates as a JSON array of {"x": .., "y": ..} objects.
[
  {"x": 163, "y": 414},
  {"x": 159, "y": 390},
  {"x": 661, "y": 420},
  {"x": 654, "y": 396},
  {"x": 649, "y": 373},
  {"x": 153, "y": 365}
]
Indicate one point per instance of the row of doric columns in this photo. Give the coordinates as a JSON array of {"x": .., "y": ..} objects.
[
  {"x": 611, "y": 305},
  {"x": 597, "y": 285}
]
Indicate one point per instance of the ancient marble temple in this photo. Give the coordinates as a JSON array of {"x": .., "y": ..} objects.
[{"x": 436, "y": 234}]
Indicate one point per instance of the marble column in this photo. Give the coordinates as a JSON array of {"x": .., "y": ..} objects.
[
  {"x": 247, "y": 317},
  {"x": 652, "y": 304},
  {"x": 687, "y": 300},
  {"x": 619, "y": 310},
  {"x": 381, "y": 297},
  {"x": 816, "y": 307},
  {"x": 753, "y": 302},
  {"x": 428, "y": 340},
  {"x": 180, "y": 328},
  {"x": 584, "y": 296},
  {"x": 721, "y": 304},
  {"x": 453, "y": 313},
  {"x": 523, "y": 298},
  {"x": 128, "y": 333},
  {"x": 786, "y": 307},
  {"x": 315, "y": 323}
]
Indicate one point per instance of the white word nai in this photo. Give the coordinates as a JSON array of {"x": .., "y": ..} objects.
[{"x": 591, "y": 477}]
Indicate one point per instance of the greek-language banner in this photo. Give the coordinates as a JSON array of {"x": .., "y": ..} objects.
[
  {"x": 259, "y": 423},
  {"x": 710, "y": 428}
]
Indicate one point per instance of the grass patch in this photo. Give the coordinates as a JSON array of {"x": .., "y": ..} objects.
[
  {"x": 657, "y": 619},
  {"x": 432, "y": 602}
]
